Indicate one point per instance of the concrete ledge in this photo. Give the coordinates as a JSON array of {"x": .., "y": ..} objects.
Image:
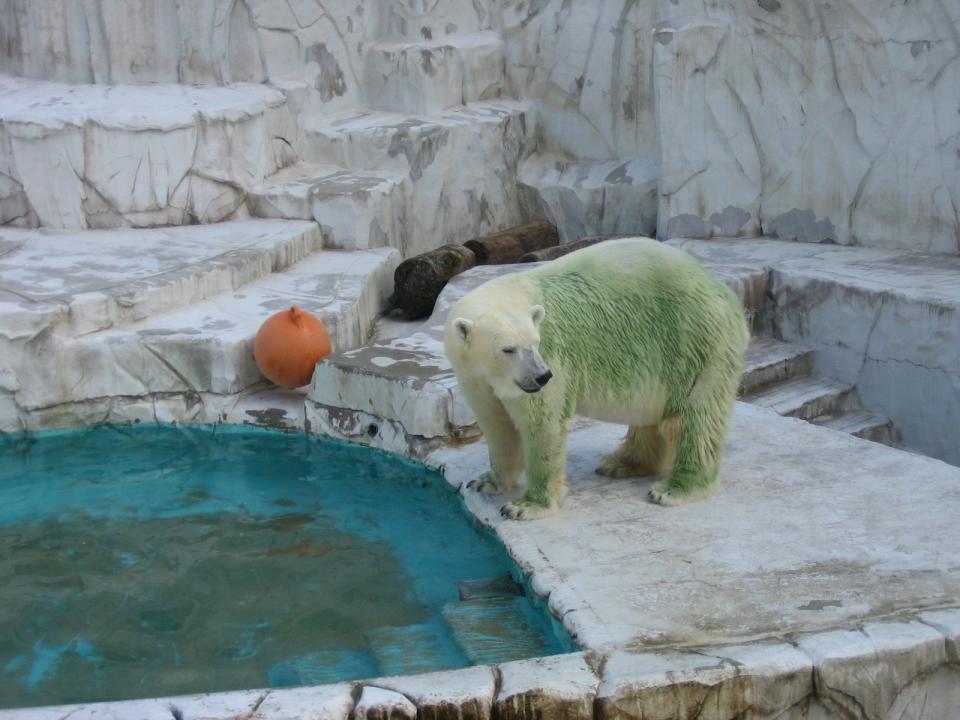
[
  {"x": 887, "y": 670},
  {"x": 82, "y": 282},
  {"x": 191, "y": 364},
  {"x": 762, "y": 680}
]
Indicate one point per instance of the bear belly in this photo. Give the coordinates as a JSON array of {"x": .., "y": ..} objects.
[{"x": 641, "y": 408}]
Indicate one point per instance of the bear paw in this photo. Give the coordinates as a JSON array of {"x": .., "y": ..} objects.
[
  {"x": 487, "y": 484},
  {"x": 661, "y": 494},
  {"x": 526, "y": 510}
]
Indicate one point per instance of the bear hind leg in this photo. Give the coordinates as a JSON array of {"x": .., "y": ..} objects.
[
  {"x": 700, "y": 431},
  {"x": 644, "y": 451}
]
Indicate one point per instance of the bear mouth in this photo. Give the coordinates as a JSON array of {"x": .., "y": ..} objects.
[{"x": 528, "y": 390}]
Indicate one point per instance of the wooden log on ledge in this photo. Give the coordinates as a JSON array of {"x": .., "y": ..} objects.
[
  {"x": 417, "y": 281},
  {"x": 552, "y": 253},
  {"x": 509, "y": 245}
]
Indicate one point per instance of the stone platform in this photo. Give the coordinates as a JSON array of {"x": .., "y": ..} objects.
[{"x": 801, "y": 536}]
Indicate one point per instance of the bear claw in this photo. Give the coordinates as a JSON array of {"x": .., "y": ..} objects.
[
  {"x": 656, "y": 497},
  {"x": 485, "y": 485},
  {"x": 524, "y": 510},
  {"x": 661, "y": 495}
]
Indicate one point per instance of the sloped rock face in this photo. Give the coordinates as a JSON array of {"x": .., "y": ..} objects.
[{"x": 812, "y": 121}]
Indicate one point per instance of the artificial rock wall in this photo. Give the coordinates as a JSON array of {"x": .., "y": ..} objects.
[
  {"x": 316, "y": 44},
  {"x": 585, "y": 64},
  {"x": 810, "y": 120},
  {"x": 805, "y": 120},
  {"x": 586, "y": 67}
]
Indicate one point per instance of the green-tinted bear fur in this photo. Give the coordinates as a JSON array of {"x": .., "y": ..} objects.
[{"x": 634, "y": 331}]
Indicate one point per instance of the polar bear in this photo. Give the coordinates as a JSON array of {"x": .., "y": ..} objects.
[{"x": 629, "y": 331}]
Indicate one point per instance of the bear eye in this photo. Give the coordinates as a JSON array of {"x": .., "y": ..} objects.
[{"x": 509, "y": 350}]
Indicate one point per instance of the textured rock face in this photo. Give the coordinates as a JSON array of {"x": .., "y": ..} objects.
[
  {"x": 432, "y": 75},
  {"x": 218, "y": 41},
  {"x": 605, "y": 197},
  {"x": 461, "y": 164},
  {"x": 798, "y": 120},
  {"x": 92, "y": 156},
  {"x": 587, "y": 65},
  {"x": 810, "y": 121}
]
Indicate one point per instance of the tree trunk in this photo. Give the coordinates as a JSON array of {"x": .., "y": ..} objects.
[
  {"x": 552, "y": 253},
  {"x": 509, "y": 245},
  {"x": 419, "y": 280}
]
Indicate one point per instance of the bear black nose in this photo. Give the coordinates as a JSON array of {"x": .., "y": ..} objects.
[{"x": 544, "y": 379}]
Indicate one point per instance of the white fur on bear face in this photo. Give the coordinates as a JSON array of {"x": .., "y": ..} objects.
[{"x": 503, "y": 349}]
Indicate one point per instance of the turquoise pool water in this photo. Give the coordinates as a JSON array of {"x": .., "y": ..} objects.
[{"x": 145, "y": 561}]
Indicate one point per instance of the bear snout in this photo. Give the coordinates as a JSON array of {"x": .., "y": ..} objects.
[{"x": 534, "y": 385}]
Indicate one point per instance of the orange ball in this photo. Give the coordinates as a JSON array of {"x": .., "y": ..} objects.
[{"x": 288, "y": 346}]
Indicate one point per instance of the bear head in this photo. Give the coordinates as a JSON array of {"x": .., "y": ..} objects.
[{"x": 499, "y": 348}]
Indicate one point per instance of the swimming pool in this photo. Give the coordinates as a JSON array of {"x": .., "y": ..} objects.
[{"x": 154, "y": 560}]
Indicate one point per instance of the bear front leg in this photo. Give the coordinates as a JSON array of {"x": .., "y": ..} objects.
[
  {"x": 545, "y": 449},
  {"x": 503, "y": 441}
]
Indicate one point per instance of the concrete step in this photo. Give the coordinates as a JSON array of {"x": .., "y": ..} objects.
[
  {"x": 356, "y": 209},
  {"x": 372, "y": 140},
  {"x": 410, "y": 649},
  {"x": 770, "y": 361},
  {"x": 96, "y": 156},
  {"x": 207, "y": 347},
  {"x": 399, "y": 395},
  {"x": 591, "y": 197},
  {"x": 808, "y": 398},
  {"x": 398, "y": 392},
  {"x": 865, "y": 425},
  {"x": 78, "y": 282},
  {"x": 461, "y": 163},
  {"x": 496, "y": 630},
  {"x": 431, "y": 75},
  {"x": 884, "y": 320}
]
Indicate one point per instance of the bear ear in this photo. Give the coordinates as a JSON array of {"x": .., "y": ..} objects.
[
  {"x": 536, "y": 314},
  {"x": 464, "y": 327}
]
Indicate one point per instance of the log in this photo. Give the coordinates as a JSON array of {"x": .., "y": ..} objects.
[
  {"x": 552, "y": 253},
  {"x": 508, "y": 246},
  {"x": 418, "y": 280}
]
